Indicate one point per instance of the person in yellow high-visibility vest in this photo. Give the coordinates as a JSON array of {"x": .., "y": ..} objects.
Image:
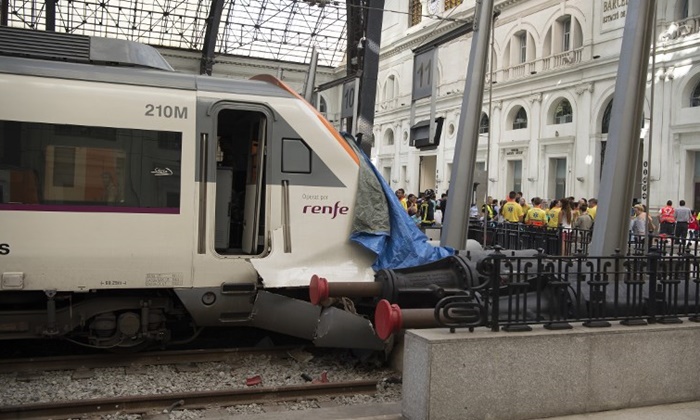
[
  {"x": 536, "y": 216},
  {"x": 512, "y": 211}
]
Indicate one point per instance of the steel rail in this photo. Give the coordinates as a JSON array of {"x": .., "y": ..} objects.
[
  {"x": 42, "y": 364},
  {"x": 188, "y": 400}
]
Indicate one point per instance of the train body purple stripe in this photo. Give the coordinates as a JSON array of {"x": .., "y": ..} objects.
[{"x": 88, "y": 209}]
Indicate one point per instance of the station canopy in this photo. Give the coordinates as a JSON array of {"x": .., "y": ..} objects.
[{"x": 283, "y": 30}]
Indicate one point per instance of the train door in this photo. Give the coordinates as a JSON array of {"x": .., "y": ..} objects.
[{"x": 240, "y": 180}]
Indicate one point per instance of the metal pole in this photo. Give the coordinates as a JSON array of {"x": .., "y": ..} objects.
[
  {"x": 456, "y": 227},
  {"x": 370, "y": 71},
  {"x": 50, "y": 15},
  {"x": 4, "y": 8},
  {"x": 311, "y": 77},
  {"x": 612, "y": 220},
  {"x": 651, "y": 129},
  {"x": 206, "y": 62},
  {"x": 488, "y": 135}
]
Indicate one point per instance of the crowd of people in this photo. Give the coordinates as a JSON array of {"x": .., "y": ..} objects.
[
  {"x": 680, "y": 222},
  {"x": 425, "y": 210},
  {"x": 567, "y": 213},
  {"x": 564, "y": 213}
]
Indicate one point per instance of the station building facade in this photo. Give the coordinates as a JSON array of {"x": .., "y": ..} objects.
[{"x": 544, "y": 126}]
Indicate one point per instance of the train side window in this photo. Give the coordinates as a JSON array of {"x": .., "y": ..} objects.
[
  {"x": 65, "y": 167},
  {"x": 296, "y": 156}
]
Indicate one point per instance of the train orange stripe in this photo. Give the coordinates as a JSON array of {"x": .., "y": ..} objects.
[{"x": 275, "y": 81}]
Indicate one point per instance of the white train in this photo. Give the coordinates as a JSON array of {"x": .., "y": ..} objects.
[{"x": 134, "y": 198}]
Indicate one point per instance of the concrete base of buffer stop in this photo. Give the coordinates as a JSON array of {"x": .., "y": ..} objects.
[{"x": 542, "y": 373}]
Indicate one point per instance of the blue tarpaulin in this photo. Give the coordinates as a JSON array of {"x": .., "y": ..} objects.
[{"x": 398, "y": 243}]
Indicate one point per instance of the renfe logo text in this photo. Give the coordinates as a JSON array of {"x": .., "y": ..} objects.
[{"x": 334, "y": 210}]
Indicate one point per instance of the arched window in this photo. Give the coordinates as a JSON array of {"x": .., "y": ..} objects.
[
  {"x": 605, "y": 126},
  {"x": 484, "y": 124},
  {"x": 520, "y": 120},
  {"x": 323, "y": 107},
  {"x": 695, "y": 96},
  {"x": 563, "y": 113},
  {"x": 389, "y": 137},
  {"x": 390, "y": 88}
]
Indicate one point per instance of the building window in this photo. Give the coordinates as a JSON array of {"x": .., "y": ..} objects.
[
  {"x": 522, "y": 39},
  {"x": 390, "y": 88},
  {"x": 563, "y": 113},
  {"x": 89, "y": 169},
  {"x": 558, "y": 168},
  {"x": 389, "y": 137},
  {"x": 416, "y": 12},
  {"x": 605, "y": 126},
  {"x": 323, "y": 106},
  {"x": 386, "y": 173},
  {"x": 603, "y": 146},
  {"x": 520, "y": 120},
  {"x": 695, "y": 97},
  {"x": 484, "y": 124},
  {"x": 449, "y": 4},
  {"x": 566, "y": 34},
  {"x": 516, "y": 174},
  {"x": 682, "y": 9}
]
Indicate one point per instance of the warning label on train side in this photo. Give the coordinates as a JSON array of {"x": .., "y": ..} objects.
[{"x": 164, "y": 279}]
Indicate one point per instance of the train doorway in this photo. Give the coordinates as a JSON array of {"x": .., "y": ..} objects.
[{"x": 239, "y": 204}]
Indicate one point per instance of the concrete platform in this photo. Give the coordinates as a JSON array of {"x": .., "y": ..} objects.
[
  {"x": 541, "y": 374},
  {"x": 681, "y": 411}
]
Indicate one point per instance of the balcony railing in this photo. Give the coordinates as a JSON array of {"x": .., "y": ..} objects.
[{"x": 553, "y": 62}]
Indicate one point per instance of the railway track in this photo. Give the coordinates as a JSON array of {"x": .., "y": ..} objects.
[
  {"x": 95, "y": 361},
  {"x": 185, "y": 400}
]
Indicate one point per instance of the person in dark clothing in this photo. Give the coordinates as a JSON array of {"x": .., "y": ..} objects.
[
  {"x": 442, "y": 205},
  {"x": 427, "y": 209}
]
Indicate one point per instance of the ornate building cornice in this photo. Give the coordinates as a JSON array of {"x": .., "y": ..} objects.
[
  {"x": 535, "y": 97},
  {"x": 423, "y": 35},
  {"x": 580, "y": 89}
]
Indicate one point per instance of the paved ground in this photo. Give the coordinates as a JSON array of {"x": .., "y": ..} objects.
[{"x": 681, "y": 411}]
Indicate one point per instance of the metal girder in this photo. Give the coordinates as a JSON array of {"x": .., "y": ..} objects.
[
  {"x": 355, "y": 15},
  {"x": 370, "y": 44},
  {"x": 4, "y": 7},
  {"x": 207, "y": 61},
  {"x": 51, "y": 15}
]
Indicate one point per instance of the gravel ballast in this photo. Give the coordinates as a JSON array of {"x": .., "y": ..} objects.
[{"x": 294, "y": 368}]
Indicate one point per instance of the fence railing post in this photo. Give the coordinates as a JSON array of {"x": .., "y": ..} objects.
[
  {"x": 654, "y": 256},
  {"x": 497, "y": 256}
]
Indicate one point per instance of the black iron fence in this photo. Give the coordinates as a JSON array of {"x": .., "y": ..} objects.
[
  {"x": 563, "y": 241},
  {"x": 555, "y": 291}
]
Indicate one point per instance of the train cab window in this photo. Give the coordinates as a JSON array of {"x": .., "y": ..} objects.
[
  {"x": 296, "y": 156},
  {"x": 63, "y": 167},
  {"x": 240, "y": 180}
]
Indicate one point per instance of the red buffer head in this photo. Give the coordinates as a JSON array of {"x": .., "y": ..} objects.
[
  {"x": 387, "y": 319},
  {"x": 318, "y": 290}
]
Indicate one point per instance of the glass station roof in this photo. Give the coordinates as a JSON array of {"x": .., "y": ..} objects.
[{"x": 284, "y": 30}]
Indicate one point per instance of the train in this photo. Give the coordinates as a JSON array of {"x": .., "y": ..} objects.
[{"x": 139, "y": 205}]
